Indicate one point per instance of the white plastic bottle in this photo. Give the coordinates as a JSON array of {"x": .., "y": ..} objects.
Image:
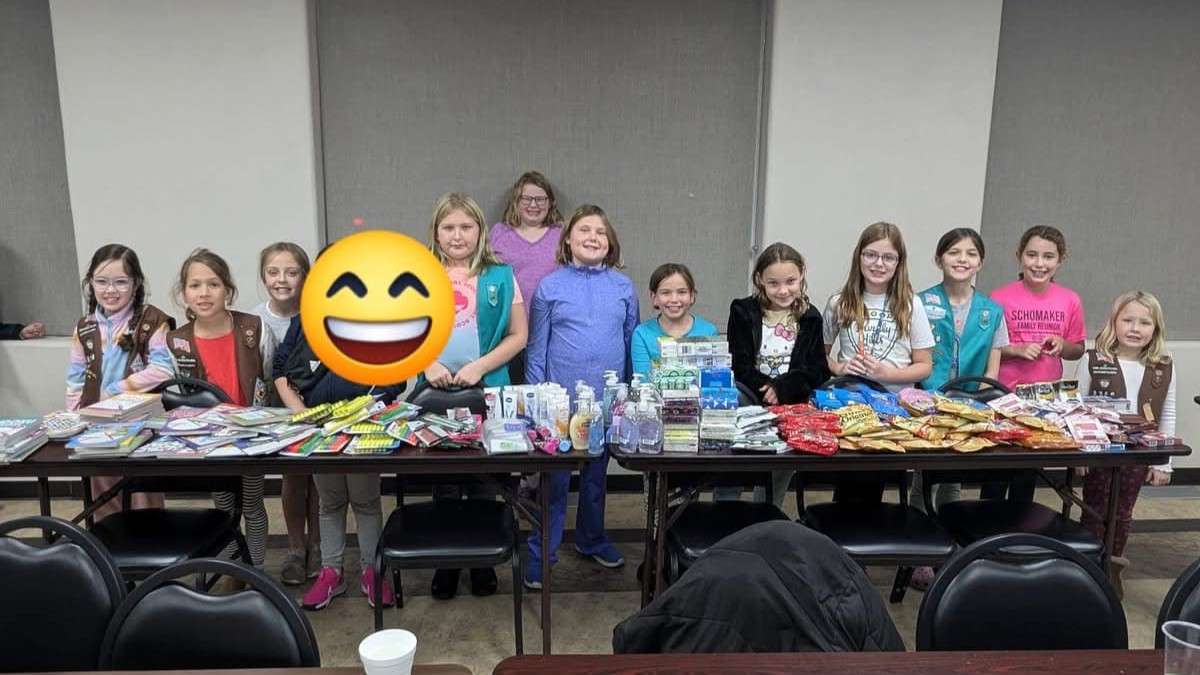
[
  {"x": 627, "y": 432},
  {"x": 650, "y": 428}
]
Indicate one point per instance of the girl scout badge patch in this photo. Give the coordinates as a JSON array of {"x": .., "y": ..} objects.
[
  {"x": 249, "y": 338},
  {"x": 493, "y": 295},
  {"x": 985, "y": 318},
  {"x": 182, "y": 345}
]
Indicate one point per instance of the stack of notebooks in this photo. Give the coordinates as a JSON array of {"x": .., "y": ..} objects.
[
  {"x": 124, "y": 407},
  {"x": 224, "y": 431},
  {"x": 114, "y": 439},
  {"x": 681, "y": 420},
  {"x": 19, "y": 437}
]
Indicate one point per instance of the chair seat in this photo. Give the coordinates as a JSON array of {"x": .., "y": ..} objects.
[
  {"x": 150, "y": 539},
  {"x": 448, "y": 532},
  {"x": 881, "y": 533},
  {"x": 971, "y": 520},
  {"x": 703, "y": 524}
]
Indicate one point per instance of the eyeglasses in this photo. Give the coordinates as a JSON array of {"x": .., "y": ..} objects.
[
  {"x": 871, "y": 257},
  {"x": 121, "y": 284},
  {"x": 525, "y": 200}
]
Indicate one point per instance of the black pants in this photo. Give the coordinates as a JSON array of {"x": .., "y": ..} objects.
[{"x": 1019, "y": 487}]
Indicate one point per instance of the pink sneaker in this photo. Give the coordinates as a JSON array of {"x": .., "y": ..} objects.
[
  {"x": 366, "y": 584},
  {"x": 330, "y": 583}
]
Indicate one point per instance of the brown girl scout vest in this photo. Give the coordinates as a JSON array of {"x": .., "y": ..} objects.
[
  {"x": 247, "y": 332},
  {"x": 142, "y": 326},
  {"x": 1108, "y": 380}
]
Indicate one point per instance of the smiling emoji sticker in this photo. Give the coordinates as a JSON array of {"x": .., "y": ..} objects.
[{"x": 377, "y": 307}]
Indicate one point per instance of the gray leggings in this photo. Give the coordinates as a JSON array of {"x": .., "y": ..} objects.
[{"x": 360, "y": 491}]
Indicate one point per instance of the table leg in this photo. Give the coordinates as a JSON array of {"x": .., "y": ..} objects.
[
  {"x": 544, "y": 501},
  {"x": 1110, "y": 520},
  {"x": 648, "y": 540},
  {"x": 660, "y": 533},
  {"x": 87, "y": 501},
  {"x": 44, "y": 502}
]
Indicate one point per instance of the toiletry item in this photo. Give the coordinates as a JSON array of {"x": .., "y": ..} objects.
[
  {"x": 649, "y": 428},
  {"x": 581, "y": 421}
]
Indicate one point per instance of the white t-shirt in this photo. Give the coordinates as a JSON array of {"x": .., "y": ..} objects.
[
  {"x": 778, "y": 341},
  {"x": 277, "y": 324},
  {"x": 880, "y": 335},
  {"x": 1133, "y": 372}
]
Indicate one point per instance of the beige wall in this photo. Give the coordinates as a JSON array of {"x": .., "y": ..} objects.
[
  {"x": 878, "y": 110},
  {"x": 188, "y": 124}
]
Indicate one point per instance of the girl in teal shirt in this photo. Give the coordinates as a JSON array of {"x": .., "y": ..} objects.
[{"x": 672, "y": 292}]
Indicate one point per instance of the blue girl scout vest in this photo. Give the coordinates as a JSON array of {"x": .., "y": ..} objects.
[{"x": 955, "y": 356}]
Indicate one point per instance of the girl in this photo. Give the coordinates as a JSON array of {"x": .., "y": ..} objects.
[
  {"x": 233, "y": 351},
  {"x": 581, "y": 323},
  {"x": 877, "y": 328},
  {"x": 672, "y": 292},
  {"x": 1045, "y": 325},
  {"x": 119, "y": 346},
  {"x": 527, "y": 239},
  {"x": 300, "y": 385},
  {"x": 775, "y": 341},
  {"x": 969, "y": 332},
  {"x": 282, "y": 268},
  {"x": 489, "y": 329},
  {"x": 1130, "y": 356}
]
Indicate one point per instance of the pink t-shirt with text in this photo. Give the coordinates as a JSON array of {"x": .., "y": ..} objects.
[{"x": 1031, "y": 318}]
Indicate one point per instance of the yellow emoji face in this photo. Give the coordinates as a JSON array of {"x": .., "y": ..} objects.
[{"x": 377, "y": 307}]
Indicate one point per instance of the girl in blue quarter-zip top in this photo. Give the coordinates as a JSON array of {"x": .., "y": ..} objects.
[{"x": 581, "y": 321}]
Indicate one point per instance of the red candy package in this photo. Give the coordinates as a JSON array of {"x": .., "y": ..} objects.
[
  {"x": 1006, "y": 431},
  {"x": 792, "y": 409},
  {"x": 814, "y": 442},
  {"x": 814, "y": 421}
]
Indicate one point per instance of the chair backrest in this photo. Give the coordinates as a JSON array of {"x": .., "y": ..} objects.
[
  {"x": 850, "y": 381},
  {"x": 189, "y": 391},
  {"x": 995, "y": 595},
  {"x": 960, "y": 386},
  {"x": 439, "y": 401},
  {"x": 58, "y": 598},
  {"x": 1182, "y": 602},
  {"x": 166, "y": 625}
]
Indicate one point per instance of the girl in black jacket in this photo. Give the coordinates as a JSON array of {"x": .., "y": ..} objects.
[{"x": 775, "y": 335}]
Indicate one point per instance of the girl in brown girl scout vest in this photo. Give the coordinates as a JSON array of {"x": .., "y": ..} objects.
[
  {"x": 1129, "y": 361},
  {"x": 231, "y": 350},
  {"x": 119, "y": 346}
]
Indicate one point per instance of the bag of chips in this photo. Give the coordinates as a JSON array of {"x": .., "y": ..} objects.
[
  {"x": 917, "y": 401},
  {"x": 858, "y": 419},
  {"x": 965, "y": 408},
  {"x": 1042, "y": 440},
  {"x": 921, "y": 444},
  {"x": 975, "y": 428},
  {"x": 946, "y": 421},
  {"x": 885, "y": 404},
  {"x": 792, "y": 409},
  {"x": 973, "y": 444},
  {"x": 873, "y": 444},
  {"x": 1005, "y": 431},
  {"x": 1037, "y": 423},
  {"x": 825, "y": 400},
  {"x": 813, "y": 442},
  {"x": 848, "y": 396},
  {"x": 889, "y": 435}
]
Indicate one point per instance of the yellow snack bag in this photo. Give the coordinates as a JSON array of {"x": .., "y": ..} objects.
[
  {"x": 858, "y": 419},
  {"x": 875, "y": 444},
  {"x": 973, "y": 444},
  {"x": 946, "y": 421}
]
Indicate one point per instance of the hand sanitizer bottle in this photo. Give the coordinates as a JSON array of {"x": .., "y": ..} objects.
[{"x": 649, "y": 428}]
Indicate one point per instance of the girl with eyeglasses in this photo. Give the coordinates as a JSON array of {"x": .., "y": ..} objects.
[
  {"x": 119, "y": 346},
  {"x": 876, "y": 328},
  {"x": 527, "y": 239},
  {"x": 969, "y": 331}
]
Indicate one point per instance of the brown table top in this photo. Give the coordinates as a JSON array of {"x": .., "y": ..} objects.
[
  {"x": 1125, "y": 662},
  {"x": 1003, "y": 456},
  {"x": 432, "y": 669},
  {"x": 51, "y": 460}
]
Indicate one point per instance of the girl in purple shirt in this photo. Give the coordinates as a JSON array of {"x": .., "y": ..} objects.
[{"x": 527, "y": 240}]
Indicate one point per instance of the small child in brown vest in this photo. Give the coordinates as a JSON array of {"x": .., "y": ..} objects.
[{"x": 1129, "y": 361}]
